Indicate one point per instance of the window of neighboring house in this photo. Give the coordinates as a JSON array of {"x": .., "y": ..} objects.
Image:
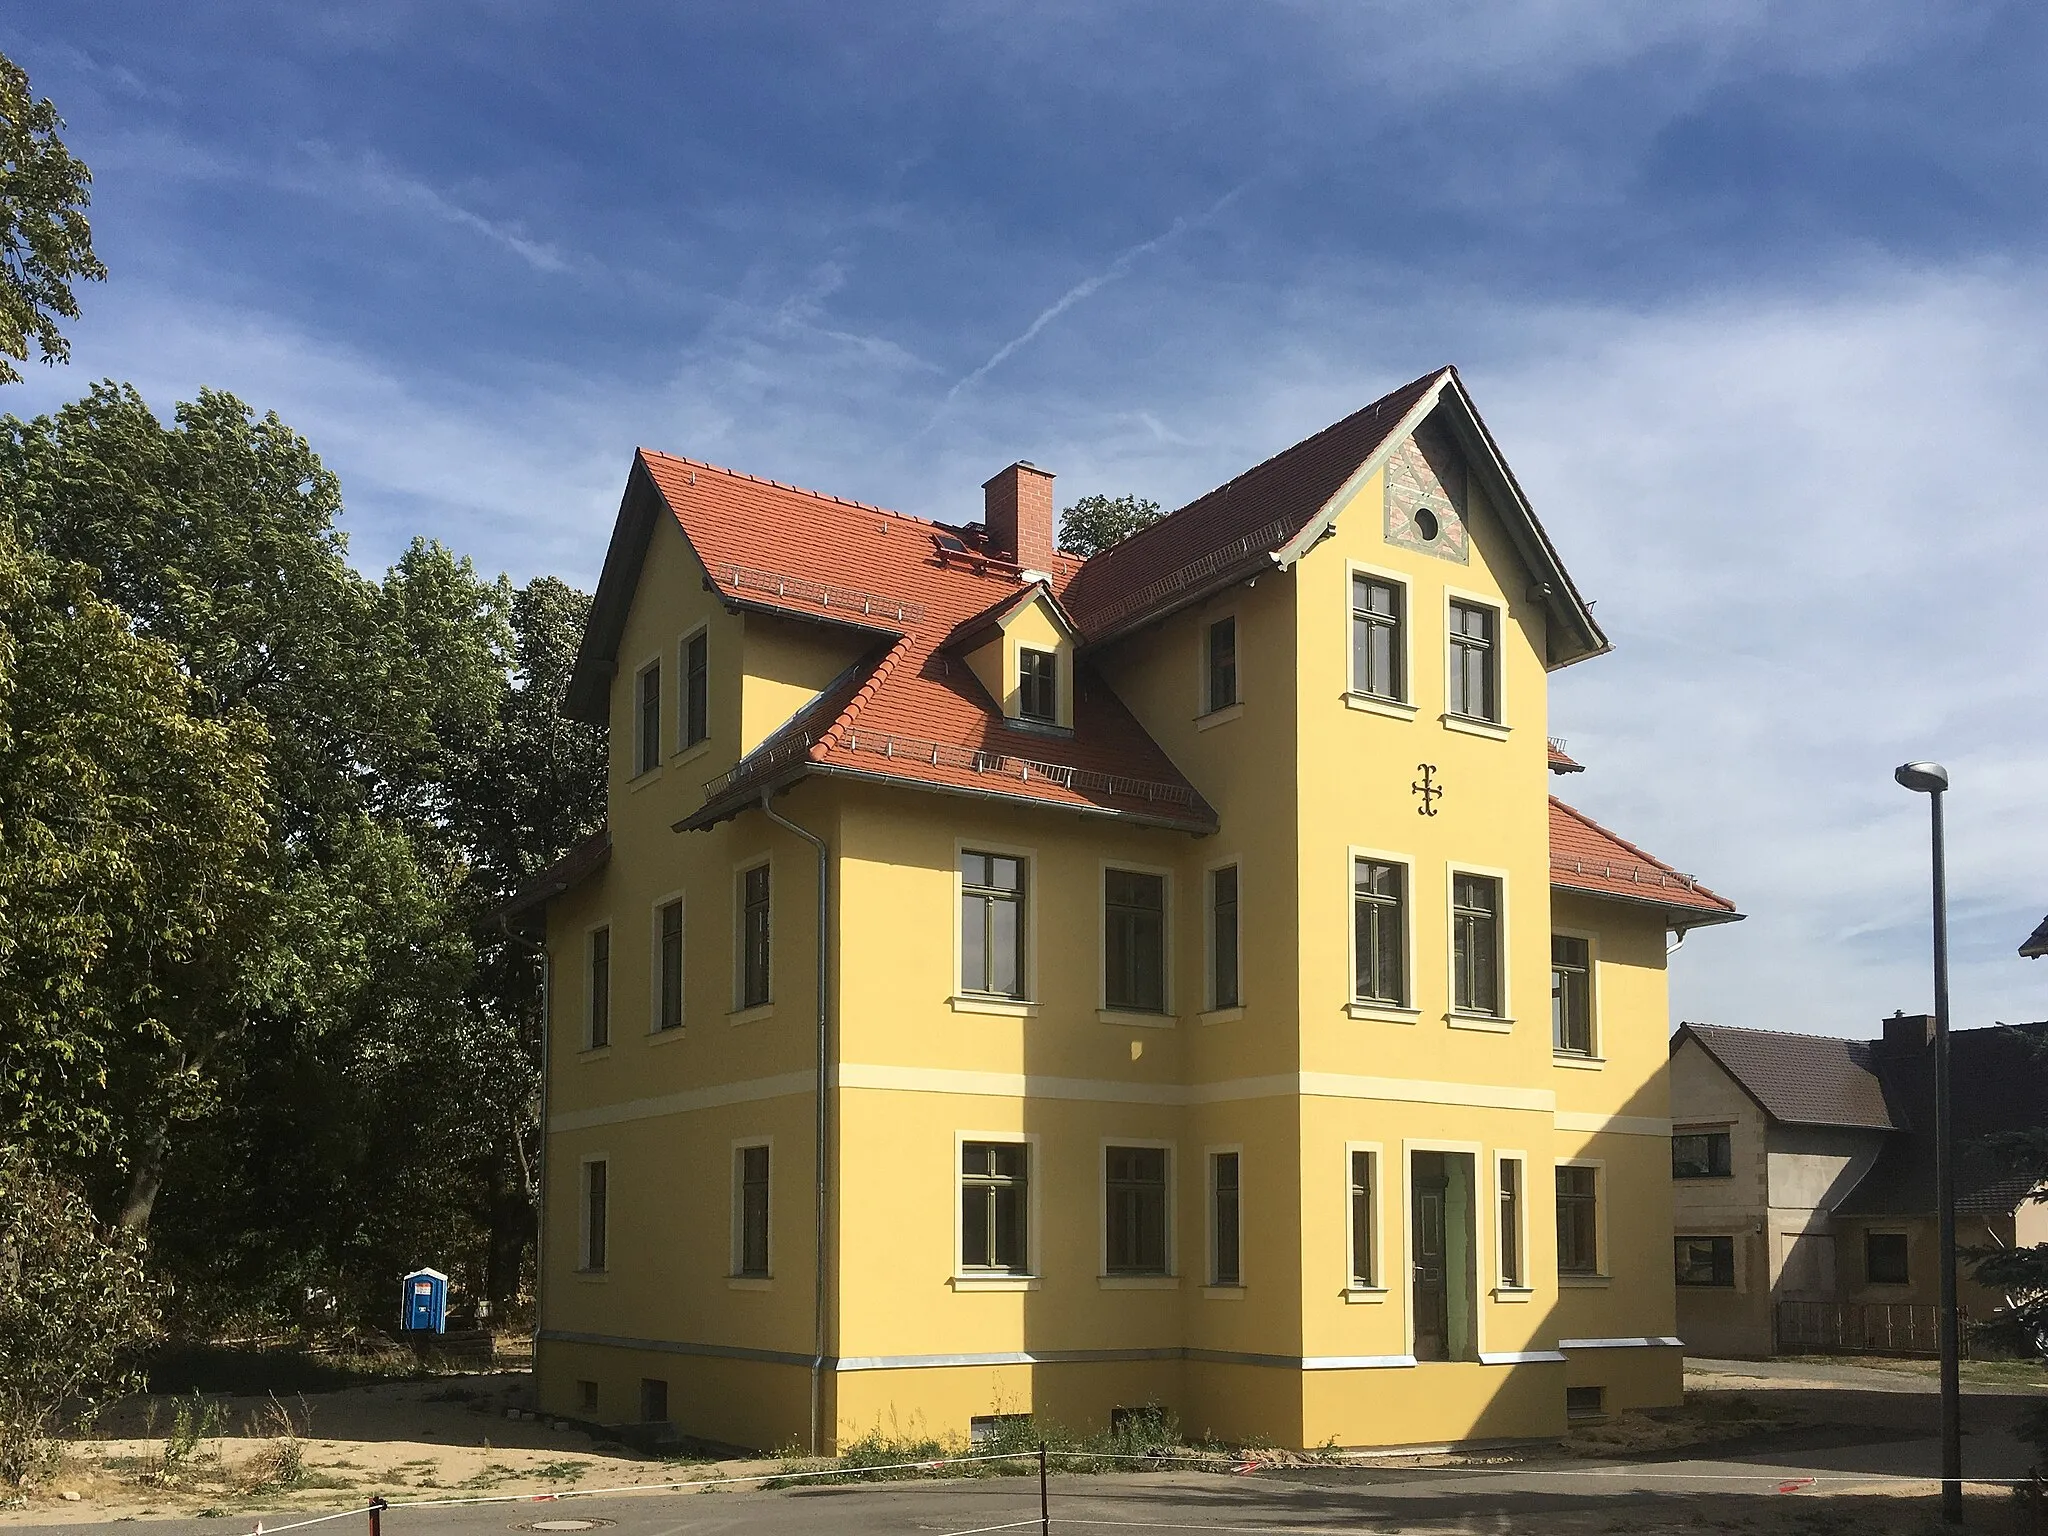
[
  {"x": 600, "y": 987},
  {"x": 1222, "y": 664},
  {"x": 1226, "y": 1262},
  {"x": 750, "y": 1212},
  {"x": 596, "y": 1193},
  {"x": 1475, "y": 943},
  {"x": 1376, "y": 647},
  {"x": 1134, "y": 941},
  {"x": 1701, "y": 1155},
  {"x": 1705, "y": 1261},
  {"x": 1224, "y": 988},
  {"x": 1379, "y": 932},
  {"x": 1885, "y": 1259},
  {"x": 1038, "y": 674},
  {"x": 995, "y": 1204},
  {"x": 754, "y": 954},
  {"x": 696, "y": 688},
  {"x": 647, "y": 747},
  {"x": 1475, "y": 686},
  {"x": 1134, "y": 1181},
  {"x": 1361, "y": 1219},
  {"x": 668, "y": 962},
  {"x": 1578, "y": 1221},
  {"x": 1571, "y": 995},
  {"x": 992, "y": 924},
  {"x": 653, "y": 1401},
  {"x": 1511, "y": 1273}
]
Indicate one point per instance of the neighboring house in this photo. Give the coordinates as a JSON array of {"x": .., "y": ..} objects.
[
  {"x": 1803, "y": 1171},
  {"x": 1217, "y": 1011}
]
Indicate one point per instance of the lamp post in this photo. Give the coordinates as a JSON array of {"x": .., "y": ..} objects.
[{"x": 1931, "y": 780}]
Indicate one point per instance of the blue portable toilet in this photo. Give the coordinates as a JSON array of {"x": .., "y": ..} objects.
[{"x": 423, "y": 1304}]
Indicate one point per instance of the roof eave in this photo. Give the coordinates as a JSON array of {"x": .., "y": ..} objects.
[{"x": 1675, "y": 917}]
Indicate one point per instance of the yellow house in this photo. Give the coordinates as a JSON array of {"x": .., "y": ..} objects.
[{"x": 1190, "y": 917}]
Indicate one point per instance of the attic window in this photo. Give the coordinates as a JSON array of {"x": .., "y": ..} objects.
[
  {"x": 949, "y": 543},
  {"x": 1038, "y": 686},
  {"x": 1426, "y": 525}
]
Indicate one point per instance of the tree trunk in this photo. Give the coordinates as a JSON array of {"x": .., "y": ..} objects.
[
  {"x": 145, "y": 1179},
  {"x": 511, "y": 1234}
]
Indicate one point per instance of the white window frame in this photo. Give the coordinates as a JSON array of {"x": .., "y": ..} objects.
[
  {"x": 611, "y": 986},
  {"x": 1403, "y": 708},
  {"x": 1478, "y": 725},
  {"x": 641, "y": 766},
  {"x": 1595, "y": 1053},
  {"x": 965, "y": 1279},
  {"x": 682, "y": 745},
  {"x": 1405, "y": 1011},
  {"x": 1165, "y": 1018},
  {"x": 1503, "y": 1021},
  {"x": 1518, "y": 1289},
  {"x": 1212, "y": 1012},
  {"x": 654, "y": 1029},
  {"x": 736, "y": 1255},
  {"x": 1209, "y": 1156},
  {"x": 1168, "y": 1281},
  {"x": 741, "y": 1008},
  {"x": 963, "y": 1000},
  {"x": 583, "y": 1265},
  {"x": 1600, "y": 1273},
  {"x": 1374, "y": 1287}
]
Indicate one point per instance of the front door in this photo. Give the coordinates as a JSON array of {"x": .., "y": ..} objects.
[{"x": 1430, "y": 1185}]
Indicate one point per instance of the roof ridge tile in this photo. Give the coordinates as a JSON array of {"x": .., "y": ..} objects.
[{"x": 800, "y": 490}]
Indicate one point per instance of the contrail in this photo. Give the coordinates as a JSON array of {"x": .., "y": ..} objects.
[{"x": 1084, "y": 289}]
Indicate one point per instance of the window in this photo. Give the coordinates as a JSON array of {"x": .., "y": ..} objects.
[
  {"x": 992, "y": 924},
  {"x": 1885, "y": 1259},
  {"x": 754, "y": 953},
  {"x": 750, "y": 1212},
  {"x": 1224, "y": 988},
  {"x": 1578, "y": 1228},
  {"x": 1380, "y": 932},
  {"x": 987, "y": 1429},
  {"x": 1226, "y": 1264},
  {"x": 1475, "y": 943},
  {"x": 1134, "y": 1184},
  {"x": 1038, "y": 685},
  {"x": 1222, "y": 664},
  {"x": 600, "y": 987},
  {"x": 648, "y": 744},
  {"x": 1571, "y": 996},
  {"x": 696, "y": 688},
  {"x": 1376, "y": 644},
  {"x": 653, "y": 1401},
  {"x": 586, "y": 1397},
  {"x": 1474, "y": 691},
  {"x": 1511, "y": 1274},
  {"x": 1706, "y": 1261},
  {"x": 595, "y": 1212},
  {"x": 995, "y": 1206},
  {"x": 1584, "y": 1402},
  {"x": 669, "y": 968},
  {"x": 1362, "y": 1210},
  {"x": 1133, "y": 941},
  {"x": 1701, "y": 1155}
]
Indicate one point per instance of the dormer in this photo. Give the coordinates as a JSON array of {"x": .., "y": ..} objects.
[{"x": 1022, "y": 650}]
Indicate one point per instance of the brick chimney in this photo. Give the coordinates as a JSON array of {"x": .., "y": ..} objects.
[
  {"x": 1909, "y": 1032},
  {"x": 1019, "y": 516}
]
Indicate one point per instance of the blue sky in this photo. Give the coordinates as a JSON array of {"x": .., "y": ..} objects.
[{"x": 1751, "y": 294}]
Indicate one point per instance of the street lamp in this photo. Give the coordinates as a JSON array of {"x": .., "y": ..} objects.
[{"x": 1931, "y": 780}]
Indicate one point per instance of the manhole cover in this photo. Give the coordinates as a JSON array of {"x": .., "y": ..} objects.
[{"x": 564, "y": 1525}]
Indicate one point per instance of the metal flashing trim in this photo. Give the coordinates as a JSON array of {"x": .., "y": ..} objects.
[
  {"x": 1000, "y": 1357},
  {"x": 1356, "y": 1362},
  {"x": 1522, "y": 1357},
  {"x": 1665, "y": 1343},
  {"x": 675, "y": 1347}
]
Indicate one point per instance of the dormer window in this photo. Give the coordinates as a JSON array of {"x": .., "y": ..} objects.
[{"x": 1038, "y": 686}]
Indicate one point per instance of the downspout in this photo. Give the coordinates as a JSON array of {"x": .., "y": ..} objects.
[{"x": 824, "y": 1068}]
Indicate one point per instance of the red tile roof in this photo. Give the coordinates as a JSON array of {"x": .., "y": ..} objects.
[
  {"x": 1560, "y": 762},
  {"x": 1586, "y": 857}
]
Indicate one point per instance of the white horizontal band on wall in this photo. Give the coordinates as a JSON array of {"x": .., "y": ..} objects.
[{"x": 1621, "y": 1343}]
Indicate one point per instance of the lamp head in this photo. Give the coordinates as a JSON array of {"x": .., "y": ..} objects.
[{"x": 1922, "y": 778}]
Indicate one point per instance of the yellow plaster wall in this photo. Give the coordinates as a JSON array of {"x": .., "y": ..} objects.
[{"x": 786, "y": 664}]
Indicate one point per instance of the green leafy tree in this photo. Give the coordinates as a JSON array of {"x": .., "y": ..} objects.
[
  {"x": 1094, "y": 523},
  {"x": 2022, "y": 1273},
  {"x": 75, "y": 1306},
  {"x": 45, "y": 241}
]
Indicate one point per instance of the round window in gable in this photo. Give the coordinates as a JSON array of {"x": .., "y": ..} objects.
[{"x": 1427, "y": 525}]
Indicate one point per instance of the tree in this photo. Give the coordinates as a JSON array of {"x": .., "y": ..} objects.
[
  {"x": 45, "y": 241},
  {"x": 1094, "y": 523},
  {"x": 2022, "y": 1273},
  {"x": 75, "y": 1306}
]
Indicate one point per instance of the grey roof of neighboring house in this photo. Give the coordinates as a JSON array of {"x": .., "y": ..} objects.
[
  {"x": 2037, "y": 942},
  {"x": 1800, "y": 1079}
]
